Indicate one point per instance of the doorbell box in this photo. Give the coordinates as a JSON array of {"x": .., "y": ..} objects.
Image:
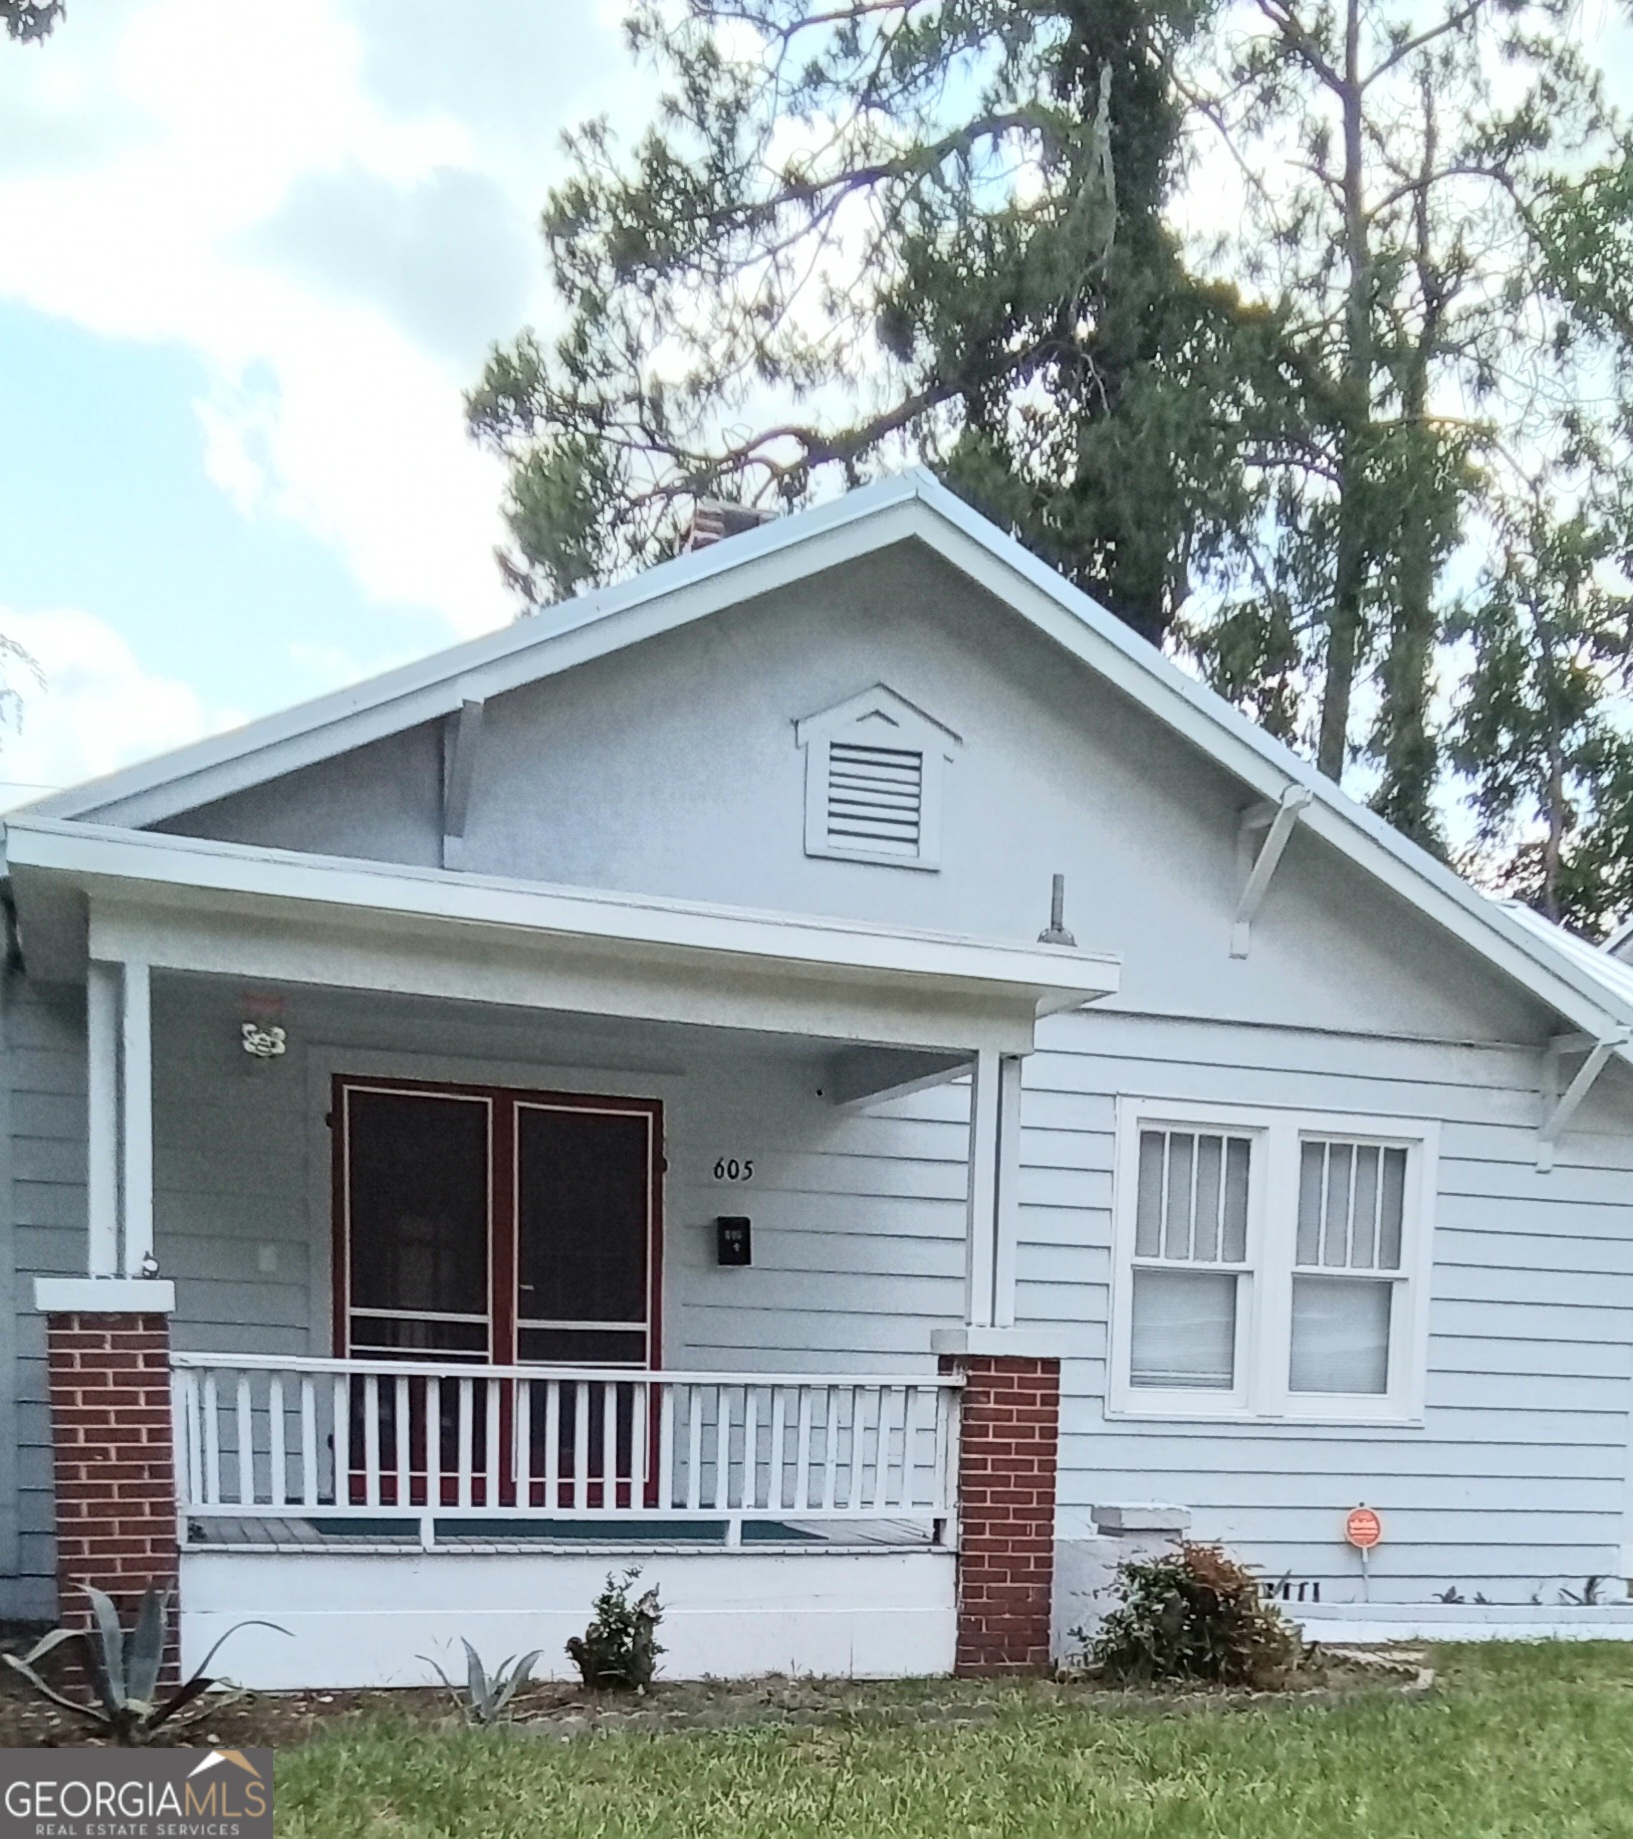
[{"x": 734, "y": 1244}]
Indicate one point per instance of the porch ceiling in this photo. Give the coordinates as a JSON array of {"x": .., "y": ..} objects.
[{"x": 190, "y": 905}]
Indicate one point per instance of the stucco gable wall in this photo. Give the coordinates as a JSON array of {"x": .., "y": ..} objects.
[
  {"x": 382, "y": 802},
  {"x": 673, "y": 768}
]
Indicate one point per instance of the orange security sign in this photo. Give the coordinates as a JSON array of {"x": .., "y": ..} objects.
[{"x": 1363, "y": 1528}]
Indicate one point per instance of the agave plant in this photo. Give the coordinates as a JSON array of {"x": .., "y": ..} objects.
[
  {"x": 483, "y": 1698},
  {"x": 124, "y": 1669}
]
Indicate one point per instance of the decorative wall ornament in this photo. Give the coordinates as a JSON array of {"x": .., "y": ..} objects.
[{"x": 263, "y": 1040}]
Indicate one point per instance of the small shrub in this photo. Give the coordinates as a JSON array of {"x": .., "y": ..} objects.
[
  {"x": 619, "y": 1648},
  {"x": 1194, "y": 1614},
  {"x": 485, "y": 1698}
]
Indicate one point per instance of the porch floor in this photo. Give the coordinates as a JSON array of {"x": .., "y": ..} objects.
[{"x": 519, "y": 1537}]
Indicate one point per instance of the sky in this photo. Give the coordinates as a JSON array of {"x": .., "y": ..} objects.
[{"x": 250, "y": 258}]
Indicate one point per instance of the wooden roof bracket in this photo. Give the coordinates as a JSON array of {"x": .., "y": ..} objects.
[
  {"x": 1559, "y": 1106},
  {"x": 462, "y": 741},
  {"x": 1276, "y": 821}
]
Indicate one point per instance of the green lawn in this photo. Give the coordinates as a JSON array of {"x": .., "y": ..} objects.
[{"x": 1534, "y": 1741}]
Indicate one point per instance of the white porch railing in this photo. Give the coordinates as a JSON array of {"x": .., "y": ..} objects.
[{"x": 262, "y": 1438}]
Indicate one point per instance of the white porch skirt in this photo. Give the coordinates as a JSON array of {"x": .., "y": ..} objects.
[{"x": 365, "y": 1618}]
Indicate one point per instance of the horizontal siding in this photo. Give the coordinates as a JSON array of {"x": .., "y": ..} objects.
[
  {"x": 1517, "y": 1481},
  {"x": 1515, "y": 1485},
  {"x": 44, "y": 1078}
]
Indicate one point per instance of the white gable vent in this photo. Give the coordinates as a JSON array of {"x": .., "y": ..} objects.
[{"x": 873, "y": 772}]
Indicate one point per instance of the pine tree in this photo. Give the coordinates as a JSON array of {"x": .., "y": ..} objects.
[{"x": 881, "y": 232}]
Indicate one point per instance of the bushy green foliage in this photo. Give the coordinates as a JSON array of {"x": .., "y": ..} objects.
[
  {"x": 123, "y": 1667},
  {"x": 1194, "y": 1614},
  {"x": 619, "y": 1649}
]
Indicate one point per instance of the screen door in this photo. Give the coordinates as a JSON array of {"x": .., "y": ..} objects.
[{"x": 499, "y": 1226}]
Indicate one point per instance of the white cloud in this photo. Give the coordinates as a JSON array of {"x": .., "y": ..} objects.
[
  {"x": 92, "y": 708},
  {"x": 215, "y": 156}
]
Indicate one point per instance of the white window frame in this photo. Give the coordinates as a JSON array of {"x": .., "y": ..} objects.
[
  {"x": 877, "y": 717},
  {"x": 1264, "y": 1309}
]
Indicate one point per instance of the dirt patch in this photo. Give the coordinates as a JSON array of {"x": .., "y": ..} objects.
[{"x": 283, "y": 1720}]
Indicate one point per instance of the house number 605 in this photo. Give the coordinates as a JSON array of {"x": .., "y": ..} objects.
[{"x": 729, "y": 1168}]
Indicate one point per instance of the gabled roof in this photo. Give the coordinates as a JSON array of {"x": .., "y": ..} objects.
[{"x": 912, "y": 507}]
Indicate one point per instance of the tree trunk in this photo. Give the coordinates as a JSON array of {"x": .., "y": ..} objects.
[
  {"x": 1354, "y": 425},
  {"x": 1411, "y": 756}
]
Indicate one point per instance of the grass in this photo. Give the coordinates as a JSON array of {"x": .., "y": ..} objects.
[{"x": 1534, "y": 1741}]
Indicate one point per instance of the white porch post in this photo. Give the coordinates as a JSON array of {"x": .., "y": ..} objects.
[
  {"x": 994, "y": 1199},
  {"x": 102, "y": 1118},
  {"x": 1007, "y": 1204},
  {"x": 137, "y": 1094},
  {"x": 980, "y": 1237},
  {"x": 119, "y": 1118}
]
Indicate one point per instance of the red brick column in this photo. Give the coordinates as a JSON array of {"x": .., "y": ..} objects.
[
  {"x": 1007, "y": 1452},
  {"x": 112, "y": 1446}
]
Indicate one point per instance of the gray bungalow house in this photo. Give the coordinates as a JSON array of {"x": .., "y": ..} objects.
[{"x": 628, "y": 1090}]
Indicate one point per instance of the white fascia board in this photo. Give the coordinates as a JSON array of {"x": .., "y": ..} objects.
[
  {"x": 536, "y": 646},
  {"x": 193, "y": 871},
  {"x": 783, "y": 551},
  {"x": 1618, "y": 938},
  {"x": 1118, "y": 655}
]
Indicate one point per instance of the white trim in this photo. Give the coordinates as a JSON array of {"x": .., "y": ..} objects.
[
  {"x": 104, "y": 1296},
  {"x": 462, "y": 744},
  {"x": 1560, "y": 1107},
  {"x": 662, "y": 599},
  {"x": 1383, "y": 1622},
  {"x": 136, "y": 1084},
  {"x": 1277, "y": 822},
  {"x": 194, "y": 873},
  {"x": 1007, "y": 1202},
  {"x": 980, "y": 1220},
  {"x": 1264, "y": 1288},
  {"x": 102, "y": 1000},
  {"x": 996, "y": 1343},
  {"x": 786, "y": 550}
]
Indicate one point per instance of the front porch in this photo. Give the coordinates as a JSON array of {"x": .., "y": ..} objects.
[
  {"x": 791, "y": 1523},
  {"x": 399, "y": 1408},
  {"x": 327, "y": 1452}
]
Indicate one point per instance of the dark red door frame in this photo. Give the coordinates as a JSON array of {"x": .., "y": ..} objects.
[
  {"x": 502, "y": 1247},
  {"x": 503, "y": 1250}
]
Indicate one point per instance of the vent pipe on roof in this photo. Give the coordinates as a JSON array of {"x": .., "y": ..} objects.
[
  {"x": 1055, "y": 932},
  {"x": 713, "y": 521}
]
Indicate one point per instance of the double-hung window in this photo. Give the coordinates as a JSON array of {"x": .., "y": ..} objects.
[{"x": 1269, "y": 1264}]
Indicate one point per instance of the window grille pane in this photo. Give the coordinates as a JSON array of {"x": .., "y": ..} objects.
[
  {"x": 1351, "y": 1200},
  {"x": 1392, "y": 1210},
  {"x": 1336, "y": 1213},
  {"x": 1191, "y": 1199},
  {"x": 1340, "y": 1335},
  {"x": 1176, "y": 1239},
  {"x": 1238, "y": 1154},
  {"x": 1209, "y": 1157},
  {"x": 1184, "y": 1330},
  {"x": 1312, "y": 1170},
  {"x": 1363, "y": 1253},
  {"x": 1148, "y": 1210}
]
